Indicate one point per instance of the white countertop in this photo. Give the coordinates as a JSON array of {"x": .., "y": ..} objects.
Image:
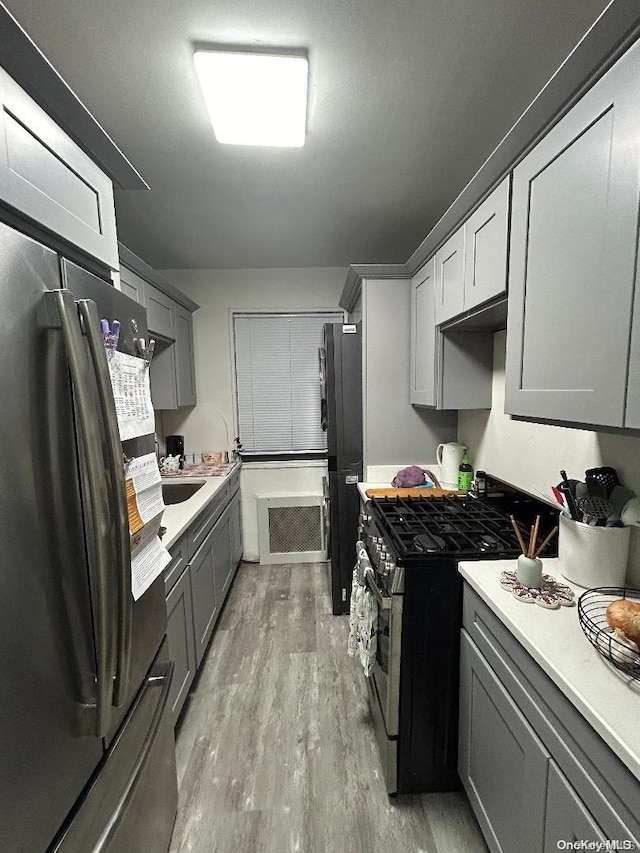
[
  {"x": 608, "y": 699},
  {"x": 177, "y": 517}
]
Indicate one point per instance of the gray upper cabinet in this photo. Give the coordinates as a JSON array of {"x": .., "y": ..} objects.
[
  {"x": 422, "y": 366},
  {"x": 447, "y": 370},
  {"x": 170, "y": 322},
  {"x": 160, "y": 312},
  {"x": 132, "y": 285},
  {"x": 449, "y": 272},
  {"x": 574, "y": 236},
  {"x": 485, "y": 247},
  {"x": 185, "y": 358},
  {"x": 49, "y": 179}
]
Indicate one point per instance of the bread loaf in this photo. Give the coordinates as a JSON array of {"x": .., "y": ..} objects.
[{"x": 625, "y": 615}]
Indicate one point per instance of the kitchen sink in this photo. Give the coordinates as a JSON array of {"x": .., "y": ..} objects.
[{"x": 176, "y": 493}]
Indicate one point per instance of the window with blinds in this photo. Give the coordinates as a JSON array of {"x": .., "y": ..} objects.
[{"x": 277, "y": 381}]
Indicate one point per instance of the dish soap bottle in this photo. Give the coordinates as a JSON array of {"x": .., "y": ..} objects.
[{"x": 465, "y": 474}]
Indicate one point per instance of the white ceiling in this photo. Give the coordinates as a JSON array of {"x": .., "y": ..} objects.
[{"x": 407, "y": 99}]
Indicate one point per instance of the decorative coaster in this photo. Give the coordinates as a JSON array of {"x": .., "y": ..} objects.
[{"x": 551, "y": 595}]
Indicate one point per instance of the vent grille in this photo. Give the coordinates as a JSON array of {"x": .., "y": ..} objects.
[
  {"x": 291, "y": 529},
  {"x": 294, "y": 528}
]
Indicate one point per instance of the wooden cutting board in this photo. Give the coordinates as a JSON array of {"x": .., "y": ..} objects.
[{"x": 410, "y": 493}]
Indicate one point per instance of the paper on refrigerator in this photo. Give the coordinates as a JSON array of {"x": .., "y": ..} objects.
[
  {"x": 132, "y": 395},
  {"x": 144, "y": 491},
  {"x": 145, "y": 506}
]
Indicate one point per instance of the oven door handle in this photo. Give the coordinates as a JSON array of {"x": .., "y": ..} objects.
[{"x": 384, "y": 601}]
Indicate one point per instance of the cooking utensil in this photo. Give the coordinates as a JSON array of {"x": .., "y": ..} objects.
[
  {"x": 601, "y": 481},
  {"x": 594, "y": 509},
  {"x": 619, "y": 497},
  {"x": 568, "y": 489}
]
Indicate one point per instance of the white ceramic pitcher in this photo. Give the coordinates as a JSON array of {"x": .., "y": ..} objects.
[{"x": 449, "y": 456}]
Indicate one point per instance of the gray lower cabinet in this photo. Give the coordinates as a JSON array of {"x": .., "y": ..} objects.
[
  {"x": 47, "y": 177},
  {"x": 574, "y": 239},
  {"x": 197, "y": 581},
  {"x": 222, "y": 563},
  {"x": 205, "y": 605},
  {"x": 235, "y": 527},
  {"x": 501, "y": 761},
  {"x": 566, "y": 816},
  {"x": 182, "y": 645},
  {"x": 536, "y": 773}
]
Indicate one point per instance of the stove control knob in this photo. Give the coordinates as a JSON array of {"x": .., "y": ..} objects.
[
  {"x": 365, "y": 518},
  {"x": 388, "y": 568}
]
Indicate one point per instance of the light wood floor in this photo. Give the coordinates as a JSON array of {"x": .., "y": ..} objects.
[{"x": 275, "y": 749}]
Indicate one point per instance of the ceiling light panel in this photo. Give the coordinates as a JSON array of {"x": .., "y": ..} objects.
[{"x": 255, "y": 98}]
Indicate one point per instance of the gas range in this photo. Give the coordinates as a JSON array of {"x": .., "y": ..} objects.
[
  {"x": 453, "y": 525},
  {"x": 407, "y": 557}
]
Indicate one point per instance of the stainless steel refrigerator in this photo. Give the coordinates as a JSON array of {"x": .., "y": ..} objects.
[
  {"x": 341, "y": 414},
  {"x": 86, "y": 747}
]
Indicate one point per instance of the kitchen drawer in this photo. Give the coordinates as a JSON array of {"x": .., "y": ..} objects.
[
  {"x": 46, "y": 177},
  {"x": 608, "y": 789},
  {"x": 179, "y": 560},
  {"x": 197, "y": 532}
]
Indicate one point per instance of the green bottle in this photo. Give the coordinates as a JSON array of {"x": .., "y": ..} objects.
[{"x": 465, "y": 474}]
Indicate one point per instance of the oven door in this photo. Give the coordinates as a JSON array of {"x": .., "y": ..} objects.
[{"x": 385, "y": 673}]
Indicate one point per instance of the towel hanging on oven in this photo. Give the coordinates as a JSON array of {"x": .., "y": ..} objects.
[{"x": 363, "y": 624}]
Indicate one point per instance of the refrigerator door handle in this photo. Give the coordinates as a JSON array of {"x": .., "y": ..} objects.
[
  {"x": 115, "y": 463},
  {"x": 322, "y": 364},
  {"x": 62, "y": 313},
  {"x": 156, "y": 677}
]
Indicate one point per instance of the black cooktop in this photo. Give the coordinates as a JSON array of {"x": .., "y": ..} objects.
[{"x": 458, "y": 525}]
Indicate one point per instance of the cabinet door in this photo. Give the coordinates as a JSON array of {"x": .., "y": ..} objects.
[
  {"x": 422, "y": 363},
  {"x": 573, "y": 246},
  {"x": 160, "y": 312},
  {"x": 222, "y": 563},
  {"x": 485, "y": 246},
  {"x": 501, "y": 762},
  {"x": 182, "y": 644},
  {"x": 45, "y": 175},
  {"x": 450, "y": 277},
  {"x": 162, "y": 376},
  {"x": 235, "y": 522},
  {"x": 185, "y": 363},
  {"x": 567, "y": 818},
  {"x": 132, "y": 285},
  {"x": 205, "y": 604}
]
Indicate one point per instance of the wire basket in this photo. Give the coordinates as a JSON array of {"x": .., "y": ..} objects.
[{"x": 592, "y": 615}]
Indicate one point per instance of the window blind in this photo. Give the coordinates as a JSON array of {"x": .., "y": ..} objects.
[{"x": 277, "y": 381}]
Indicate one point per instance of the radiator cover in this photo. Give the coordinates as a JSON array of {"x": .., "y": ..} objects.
[{"x": 292, "y": 529}]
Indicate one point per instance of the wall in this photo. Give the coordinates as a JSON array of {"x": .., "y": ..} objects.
[
  {"x": 210, "y": 425},
  {"x": 395, "y": 432},
  {"x": 531, "y": 455}
]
